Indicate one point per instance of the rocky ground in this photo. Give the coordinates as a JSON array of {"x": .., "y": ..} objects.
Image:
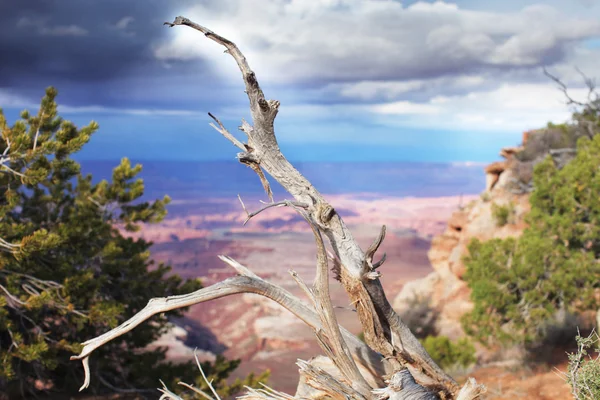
[
  {"x": 542, "y": 383},
  {"x": 444, "y": 288}
]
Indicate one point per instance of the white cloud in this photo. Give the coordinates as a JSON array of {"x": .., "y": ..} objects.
[
  {"x": 123, "y": 23},
  {"x": 372, "y": 89},
  {"x": 469, "y": 164},
  {"x": 60, "y": 30},
  {"x": 368, "y": 90},
  {"x": 353, "y": 40},
  {"x": 9, "y": 99},
  {"x": 508, "y": 108},
  {"x": 41, "y": 25},
  {"x": 405, "y": 108},
  {"x": 129, "y": 111}
]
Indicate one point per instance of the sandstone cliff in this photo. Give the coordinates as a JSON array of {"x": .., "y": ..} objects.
[{"x": 507, "y": 184}]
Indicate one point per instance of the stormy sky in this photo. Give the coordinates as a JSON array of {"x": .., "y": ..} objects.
[{"x": 362, "y": 80}]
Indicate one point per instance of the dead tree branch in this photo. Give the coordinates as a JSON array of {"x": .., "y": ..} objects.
[
  {"x": 392, "y": 348},
  {"x": 287, "y": 203},
  {"x": 265, "y": 394},
  {"x": 590, "y": 84},
  {"x": 340, "y": 353},
  {"x": 245, "y": 282},
  {"x": 323, "y": 381},
  {"x": 223, "y": 131},
  {"x": 384, "y": 330}
]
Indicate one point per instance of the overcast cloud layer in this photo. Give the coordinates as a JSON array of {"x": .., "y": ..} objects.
[{"x": 400, "y": 67}]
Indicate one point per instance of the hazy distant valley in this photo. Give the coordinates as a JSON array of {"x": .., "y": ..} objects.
[
  {"x": 254, "y": 328},
  {"x": 206, "y": 219}
]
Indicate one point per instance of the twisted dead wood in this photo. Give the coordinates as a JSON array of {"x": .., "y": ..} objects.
[{"x": 395, "y": 347}]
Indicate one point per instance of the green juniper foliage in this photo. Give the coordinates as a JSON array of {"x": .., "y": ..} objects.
[
  {"x": 67, "y": 273},
  {"x": 519, "y": 285},
  {"x": 450, "y": 354},
  {"x": 503, "y": 214}
]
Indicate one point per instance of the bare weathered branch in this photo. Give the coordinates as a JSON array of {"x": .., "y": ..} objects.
[
  {"x": 209, "y": 383},
  {"x": 223, "y": 131},
  {"x": 302, "y": 285},
  {"x": 254, "y": 164},
  {"x": 341, "y": 354},
  {"x": 266, "y": 393},
  {"x": 247, "y": 282},
  {"x": 370, "y": 253},
  {"x": 167, "y": 394},
  {"x": 325, "y": 382},
  {"x": 257, "y": 99},
  {"x": 471, "y": 390},
  {"x": 384, "y": 330},
  {"x": 590, "y": 83},
  {"x": 239, "y": 268},
  {"x": 196, "y": 390},
  {"x": 286, "y": 203},
  {"x": 37, "y": 132},
  {"x": 380, "y": 262},
  {"x": 402, "y": 386}
]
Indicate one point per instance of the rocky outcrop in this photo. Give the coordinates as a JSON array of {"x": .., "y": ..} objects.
[
  {"x": 509, "y": 152},
  {"x": 445, "y": 289},
  {"x": 492, "y": 174}
]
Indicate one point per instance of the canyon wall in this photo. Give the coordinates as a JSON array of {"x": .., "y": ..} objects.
[{"x": 444, "y": 291}]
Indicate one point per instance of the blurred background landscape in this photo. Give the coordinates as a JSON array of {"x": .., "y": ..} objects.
[
  {"x": 205, "y": 219},
  {"x": 434, "y": 118}
]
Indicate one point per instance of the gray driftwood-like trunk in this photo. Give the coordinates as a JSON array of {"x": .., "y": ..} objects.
[{"x": 392, "y": 364}]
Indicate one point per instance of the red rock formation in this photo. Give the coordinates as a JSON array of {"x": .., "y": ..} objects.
[
  {"x": 509, "y": 152},
  {"x": 492, "y": 174},
  {"x": 526, "y": 135},
  {"x": 448, "y": 293}
]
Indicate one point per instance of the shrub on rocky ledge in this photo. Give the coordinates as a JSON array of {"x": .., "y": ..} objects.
[
  {"x": 503, "y": 214},
  {"x": 520, "y": 284},
  {"x": 449, "y": 354}
]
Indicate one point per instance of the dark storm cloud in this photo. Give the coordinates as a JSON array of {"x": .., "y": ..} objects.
[
  {"x": 74, "y": 40},
  {"x": 92, "y": 51},
  {"x": 116, "y": 54}
]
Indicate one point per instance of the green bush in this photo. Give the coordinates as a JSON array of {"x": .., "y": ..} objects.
[
  {"x": 583, "y": 374},
  {"x": 450, "y": 354},
  {"x": 503, "y": 214},
  {"x": 518, "y": 285},
  {"x": 68, "y": 274}
]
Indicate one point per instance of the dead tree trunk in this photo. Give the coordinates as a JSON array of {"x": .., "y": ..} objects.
[{"x": 392, "y": 354}]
